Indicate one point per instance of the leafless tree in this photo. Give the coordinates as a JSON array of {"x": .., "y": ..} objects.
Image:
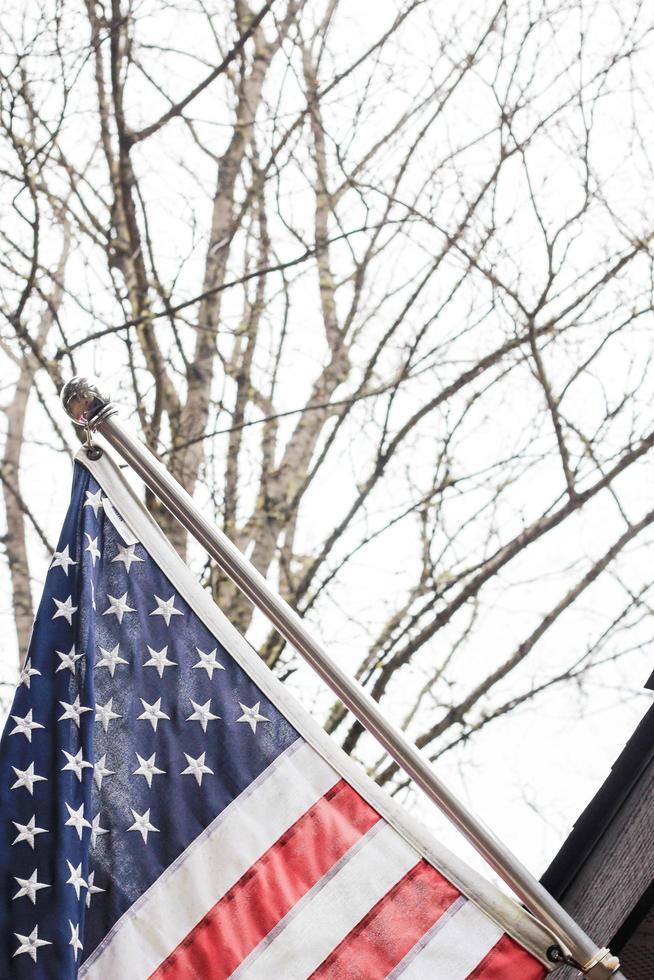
[{"x": 376, "y": 282}]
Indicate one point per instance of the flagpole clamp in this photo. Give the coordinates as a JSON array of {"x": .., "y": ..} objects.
[{"x": 603, "y": 964}]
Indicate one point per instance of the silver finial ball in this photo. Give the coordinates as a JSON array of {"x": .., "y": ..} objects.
[{"x": 84, "y": 403}]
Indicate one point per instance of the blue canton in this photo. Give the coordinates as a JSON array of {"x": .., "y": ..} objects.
[{"x": 131, "y": 729}]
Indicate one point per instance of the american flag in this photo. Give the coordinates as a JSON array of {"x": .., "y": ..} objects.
[{"x": 166, "y": 809}]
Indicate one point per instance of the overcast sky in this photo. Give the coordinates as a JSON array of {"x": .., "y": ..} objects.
[{"x": 530, "y": 774}]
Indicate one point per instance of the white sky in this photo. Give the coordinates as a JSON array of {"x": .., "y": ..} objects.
[{"x": 530, "y": 775}]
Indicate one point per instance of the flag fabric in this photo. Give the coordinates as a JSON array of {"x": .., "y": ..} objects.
[{"x": 167, "y": 810}]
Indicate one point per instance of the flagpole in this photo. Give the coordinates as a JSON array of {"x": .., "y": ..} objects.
[{"x": 85, "y": 405}]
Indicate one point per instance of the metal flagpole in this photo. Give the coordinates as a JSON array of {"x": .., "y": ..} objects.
[{"x": 85, "y": 405}]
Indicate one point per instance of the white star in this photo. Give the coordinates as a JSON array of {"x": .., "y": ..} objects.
[
  {"x": 159, "y": 660},
  {"x": 166, "y": 608},
  {"x": 29, "y": 887},
  {"x": 74, "y": 940},
  {"x": 76, "y": 879},
  {"x": 76, "y": 763},
  {"x": 251, "y": 716},
  {"x": 100, "y": 771},
  {"x": 77, "y": 819},
  {"x": 118, "y": 607},
  {"x": 65, "y": 609},
  {"x": 110, "y": 659},
  {"x": 27, "y": 673},
  {"x": 104, "y": 713},
  {"x": 28, "y": 831},
  {"x": 202, "y": 714},
  {"x": 208, "y": 661},
  {"x": 27, "y": 778},
  {"x": 94, "y": 500},
  {"x": 30, "y": 944},
  {"x": 196, "y": 767},
  {"x": 92, "y": 889},
  {"x": 68, "y": 660},
  {"x": 148, "y": 769},
  {"x": 153, "y": 713},
  {"x": 96, "y": 831},
  {"x": 62, "y": 559},
  {"x": 127, "y": 556},
  {"x": 142, "y": 824},
  {"x": 24, "y": 726},
  {"x": 92, "y": 548},
  {"x": 73, "y": 710}
]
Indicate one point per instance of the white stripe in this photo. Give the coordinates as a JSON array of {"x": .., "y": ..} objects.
[
  {"x": 314, "y": 931},
  {"x": 455, "y": 949},
  {"x": 164, "y": 915}
]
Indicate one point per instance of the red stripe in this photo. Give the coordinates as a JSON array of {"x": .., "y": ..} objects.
[
  {"x": 508, "y": 961},
  {"x": 391, "y": 928},
  {"x": 271, "y": 887}
]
